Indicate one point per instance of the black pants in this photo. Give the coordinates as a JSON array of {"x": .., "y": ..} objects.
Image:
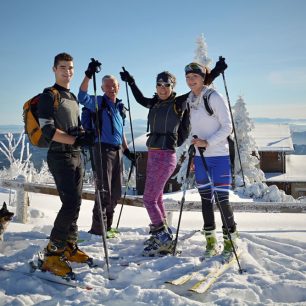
[
  {"x": 227, "y": 215},
  {"x": 111, "y": 183},
  {"x": 67, "y": 170}
]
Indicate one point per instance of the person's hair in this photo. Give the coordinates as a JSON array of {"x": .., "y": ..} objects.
[
  {"x": 62, "y": 57},
  {"x": 167, "y": 77},
  {"x": 109, "y": 76}
]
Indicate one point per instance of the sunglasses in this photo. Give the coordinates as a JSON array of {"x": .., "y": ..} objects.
[
  {"x": 163, "y": 84},
  {"x": 193, "y": 67}
]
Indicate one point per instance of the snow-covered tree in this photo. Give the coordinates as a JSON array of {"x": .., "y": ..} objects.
[
  {"x": 247, "y": 146},
  {"x": 22, "y": 164},
  {"x": 201, "y": 53}
]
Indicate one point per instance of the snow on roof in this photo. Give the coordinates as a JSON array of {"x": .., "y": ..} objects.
[
  {"x": 268, "y": 137},
  {"x": 295, "y": 170},
  {"x": 273, "y": 137}
]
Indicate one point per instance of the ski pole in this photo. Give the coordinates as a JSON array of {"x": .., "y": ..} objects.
[
  {"x": 133, "y": 143},
  {"x": 126, "y": 188},
  {"x": 216, "y": 199},
  {"x": 191, "y": 152},
  {"x": 100, "y": 190},
  {"x": 234, "y": 129}
]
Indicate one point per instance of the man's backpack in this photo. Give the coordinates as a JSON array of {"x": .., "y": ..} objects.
[
  {"x": 31, "y": 122},
  {"x": 88, "y": 118}
]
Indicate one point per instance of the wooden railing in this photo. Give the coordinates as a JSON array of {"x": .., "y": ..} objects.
[{"x": 22, "y": 188}]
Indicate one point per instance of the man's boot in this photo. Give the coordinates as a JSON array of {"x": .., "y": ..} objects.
[
  {"x": 211, "y": 243},
  {"x": 55, "y": 261}
]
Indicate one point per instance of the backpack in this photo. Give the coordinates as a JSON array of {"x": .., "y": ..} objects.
[
  {"x": 231, "y": 142},
  {"x": 30, "y": 118},
  {"x": 88, "y": 118}
]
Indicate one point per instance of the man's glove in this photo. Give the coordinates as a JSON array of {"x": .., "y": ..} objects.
[
  {"x": 86, "y": 139},
  {"x": 126, "y": 77},
  {"x": 216, "y": 71},
  {"x": 93, "y": 67},
  {"x": 130, "y": 155}
]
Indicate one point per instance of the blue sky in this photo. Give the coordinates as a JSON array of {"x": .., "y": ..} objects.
[{"x": 263, "y": 42}]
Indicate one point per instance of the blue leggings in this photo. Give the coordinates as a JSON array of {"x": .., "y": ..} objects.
[{"x": 215, "y": 191}]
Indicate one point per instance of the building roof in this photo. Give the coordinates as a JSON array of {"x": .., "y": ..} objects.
[
  {"x": 273, "y": 137},
  {"x": 295, "y": 170}
]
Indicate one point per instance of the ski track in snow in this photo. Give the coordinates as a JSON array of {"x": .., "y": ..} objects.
[{"x": 275, "y": 274}]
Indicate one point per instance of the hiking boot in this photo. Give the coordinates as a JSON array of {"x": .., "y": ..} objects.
[
  {"x": 55, "y": 261},
  {"x": 74, "y": 254},
  {"x": 161, "y": 244},
  {"x": 211, "y": 244},
  {"x": 227, "y": 252}
]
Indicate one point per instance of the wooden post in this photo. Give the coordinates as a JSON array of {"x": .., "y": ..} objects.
[
  {"x": 22, "y": 201},
  {"x": 169, "y": 216}
]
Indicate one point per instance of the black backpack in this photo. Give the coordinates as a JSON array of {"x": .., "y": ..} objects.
[{"x": 88, "y": 117}]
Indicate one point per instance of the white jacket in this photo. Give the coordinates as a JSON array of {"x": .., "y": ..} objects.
[{"x": 214, "y": 129}]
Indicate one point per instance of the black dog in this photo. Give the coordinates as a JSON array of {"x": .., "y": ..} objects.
[{"x": 5, "y": 218}]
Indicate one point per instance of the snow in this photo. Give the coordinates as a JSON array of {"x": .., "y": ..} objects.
[
  {"x": 274, "y": 255},
  {"x": 273, "y": 137}
]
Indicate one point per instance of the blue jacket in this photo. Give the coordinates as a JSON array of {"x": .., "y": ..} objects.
[{"x": 112, "y": 122}]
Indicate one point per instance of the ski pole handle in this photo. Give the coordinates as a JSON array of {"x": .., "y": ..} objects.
[{"x": 201, "y": 149}]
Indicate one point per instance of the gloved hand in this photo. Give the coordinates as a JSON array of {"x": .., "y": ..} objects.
[
  {"x": 216, "y": 71},
  {"x": 93, "y": 67},
  {"x": 130, "y": 155},
  {"x": 126, "y": 77},
  {"x": 86, "y": 139}
]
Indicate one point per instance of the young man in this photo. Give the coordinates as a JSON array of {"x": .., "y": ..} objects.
[
  {"x": 212, "y": 132},
  {"x": 62, "y": 128},
  {"x": 113, "y": 142}
]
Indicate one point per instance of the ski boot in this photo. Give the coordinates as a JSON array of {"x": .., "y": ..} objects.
[
  {"x": 112, "y": 233},
  {"x": 211, "y": 244},
  {"x": 227, "y": 252},
  {"x": 74, "y": 254},
  {"x": 153, "y": 234},
  {"x": 161, "y": 244},
  {"x": 54, "y": 261}
]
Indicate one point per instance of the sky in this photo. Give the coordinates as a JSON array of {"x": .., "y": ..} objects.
[{"x": 262, "y": 41}]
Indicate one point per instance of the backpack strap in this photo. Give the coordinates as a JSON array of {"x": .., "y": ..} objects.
[{"x": 206, "y": 97}]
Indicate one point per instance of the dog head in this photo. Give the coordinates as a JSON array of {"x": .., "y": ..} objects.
[
  {"x": 5, "y": 214},
  {"x": 5, "y": 217}
]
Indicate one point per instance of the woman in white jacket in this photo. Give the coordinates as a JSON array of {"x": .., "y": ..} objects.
[{"x": 212, "y": 131}]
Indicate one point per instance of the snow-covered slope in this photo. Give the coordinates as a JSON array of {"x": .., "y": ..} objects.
[{"x": 274, "y": 256}]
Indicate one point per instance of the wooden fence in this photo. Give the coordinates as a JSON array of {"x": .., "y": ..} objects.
[{"x": 22, "y": 188}]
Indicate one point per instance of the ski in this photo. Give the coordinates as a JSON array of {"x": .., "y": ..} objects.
[
  {"x": 48, "y": 277},
  {"x": 207, "y": 281}
]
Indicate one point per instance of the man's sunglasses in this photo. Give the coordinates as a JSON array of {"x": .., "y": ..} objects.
[{"x": 163, "y": 84}]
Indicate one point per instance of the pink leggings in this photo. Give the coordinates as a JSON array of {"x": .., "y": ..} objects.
[{"x": 160, "y": 166}]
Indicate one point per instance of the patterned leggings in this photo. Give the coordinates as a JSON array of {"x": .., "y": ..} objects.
[{"x": 160, "y": 166}]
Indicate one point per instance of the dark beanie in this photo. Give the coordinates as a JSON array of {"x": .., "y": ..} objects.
[
  {"x": 166, "y": 77},
  {"x": 195, "y": 68}
]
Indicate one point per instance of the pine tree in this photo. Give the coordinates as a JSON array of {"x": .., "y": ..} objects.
[
  {"x": 247, "y": 146},
  {"x": 201, "y": 53}
]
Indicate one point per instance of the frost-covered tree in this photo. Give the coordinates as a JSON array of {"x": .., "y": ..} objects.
[
  {"x": 246, "y": 145},
  {"x": 22, "y": 164},
  {"x": 201, "y": 53}
]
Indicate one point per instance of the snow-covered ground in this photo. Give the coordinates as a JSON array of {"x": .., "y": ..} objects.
[{"x": 274, "y": 256}]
